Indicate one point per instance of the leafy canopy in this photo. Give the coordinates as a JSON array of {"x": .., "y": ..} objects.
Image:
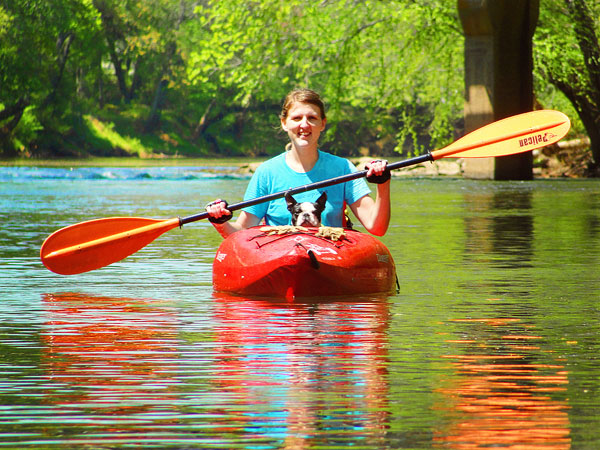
[{"x": 365, "y": 55}]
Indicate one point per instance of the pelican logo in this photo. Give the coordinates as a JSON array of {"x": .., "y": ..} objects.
[{"x": 536, "y": 139}]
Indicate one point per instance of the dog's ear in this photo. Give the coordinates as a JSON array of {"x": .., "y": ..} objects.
[
  {"x": 290, "y": 201},
  {"x": 322, "y": 200}
]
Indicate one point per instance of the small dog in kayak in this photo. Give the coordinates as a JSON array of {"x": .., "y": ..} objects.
[{"x": 306, "y": 214}]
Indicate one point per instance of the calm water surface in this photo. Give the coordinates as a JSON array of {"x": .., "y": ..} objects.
[{"x": 491, "y": 342}]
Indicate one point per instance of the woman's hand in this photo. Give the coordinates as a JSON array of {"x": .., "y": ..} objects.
[
  {"x": 218, "y": 212},
  {"x": 219, "y": 216},
  {"x": 377, "y": 171}
]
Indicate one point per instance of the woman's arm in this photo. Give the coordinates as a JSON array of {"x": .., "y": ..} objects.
[{"x": 374, "y": 215}]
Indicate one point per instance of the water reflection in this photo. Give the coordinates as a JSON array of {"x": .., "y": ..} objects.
[
  {"x": 500, "y": 224},
  {"x": 110, "y": 362},
  {"x": 308, "y": 372},
  {"x": 248, "y": 373},
  {"x": 116, "y": 372},
  {"x": 506, "y": 390},
  {"x": 499, "y": 233}
]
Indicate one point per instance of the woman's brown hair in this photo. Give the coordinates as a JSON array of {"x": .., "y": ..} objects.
[{"x": 302, "y": 96}]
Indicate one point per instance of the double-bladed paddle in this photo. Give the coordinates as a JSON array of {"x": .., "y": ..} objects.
[{"x": 97, "y": 243}]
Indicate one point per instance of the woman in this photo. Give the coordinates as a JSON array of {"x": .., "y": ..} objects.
[{"x": 303, "y": 118}]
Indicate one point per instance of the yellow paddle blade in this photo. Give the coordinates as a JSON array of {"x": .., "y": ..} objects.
[
  {"x": 97, "y": 243},
  {"x": 515, "y": 134}
]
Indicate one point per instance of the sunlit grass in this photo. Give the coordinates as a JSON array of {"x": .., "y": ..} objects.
[{"x": 105, "y": 131}]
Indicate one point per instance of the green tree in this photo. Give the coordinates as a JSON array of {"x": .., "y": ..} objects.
[
  {"x": 64, "y": 58},
  {"x": 567, "y": 56},
  {"x": 142, "y": 48},
  {"x": 39, "y": 39},
  {"x": 391, "y": 72},
  {"x": 381, "y": 66}
]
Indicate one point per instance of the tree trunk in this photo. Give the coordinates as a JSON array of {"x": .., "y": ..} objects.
[
  {"x": 136, "y": 80},
  {"x": 14, "y": 109},
  {"x": 63, "y": 46},
  {"x": 588, "y": 112},
  {"x": 170, "y": 51},
  {"x": 588, "y": 41},
  {"x": 590, "y": 121},
  {"x": 119, "y": 73},
  {"x": 203, "y": 123},
  {"x": 101, "y": 100},
  {"x": 13, "y": 112},
  {"x": 154, "y": 118},
  {"x": 110, "y": 33}
]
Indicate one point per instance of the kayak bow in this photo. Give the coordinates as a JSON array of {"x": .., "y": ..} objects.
[{"x": 302, "y": 262}]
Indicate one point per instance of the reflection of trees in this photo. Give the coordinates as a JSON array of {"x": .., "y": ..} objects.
[
  {"x": 310, "y": 371},
  {"x": 501, "y": 226},
  {"x": 502, "y": 393},
  {"x": 499, "y": 233}
]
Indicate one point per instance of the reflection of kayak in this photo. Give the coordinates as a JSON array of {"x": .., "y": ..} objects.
[{"x": 312, "y": 262}]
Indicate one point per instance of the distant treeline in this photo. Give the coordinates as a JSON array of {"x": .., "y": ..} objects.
[{"x": 207, "y": 77}]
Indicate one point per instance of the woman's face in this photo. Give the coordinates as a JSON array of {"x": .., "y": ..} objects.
[{"x": 304, "y": 125}]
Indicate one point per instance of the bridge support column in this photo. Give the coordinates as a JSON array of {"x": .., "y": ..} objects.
[{"x": 498, "y": 75}]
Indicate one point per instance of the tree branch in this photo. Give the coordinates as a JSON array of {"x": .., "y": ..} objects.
[{"x": 588, "y": 41}]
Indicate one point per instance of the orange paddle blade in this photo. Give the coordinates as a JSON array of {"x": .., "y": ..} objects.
[
  {"x": 97, "y": 243},
  {"x": 515, "y": 134}
]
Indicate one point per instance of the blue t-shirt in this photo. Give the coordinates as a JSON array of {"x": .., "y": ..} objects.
[{"x": 274, "y": 175}]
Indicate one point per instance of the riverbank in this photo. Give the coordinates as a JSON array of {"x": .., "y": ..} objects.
[
  {"x": 566, "y": 160},
  {"x": 446, "y": 167}
]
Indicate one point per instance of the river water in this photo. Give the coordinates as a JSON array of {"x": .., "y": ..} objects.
[{"x": 492, "y": 341}]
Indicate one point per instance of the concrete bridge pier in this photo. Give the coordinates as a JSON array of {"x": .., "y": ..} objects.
[{"x": 498, "y": 75}]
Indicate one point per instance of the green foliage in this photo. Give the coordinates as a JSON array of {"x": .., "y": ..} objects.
[
  {"x": 119, "y": 131},
  {"x": 375, "y": 63},
  {"x": 5, "y": 21},
  {"x": 567, "y": 64},
  {"x": 557, "y": 53},
  {"x": 208, "y": 77},
  {"x": 28, "y": 128}
]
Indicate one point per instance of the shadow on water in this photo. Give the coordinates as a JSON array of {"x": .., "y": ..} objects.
[{"x": 499, "y": 232}]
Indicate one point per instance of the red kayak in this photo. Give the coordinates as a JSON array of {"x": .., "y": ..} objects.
[{"x": 294, "y": 262}]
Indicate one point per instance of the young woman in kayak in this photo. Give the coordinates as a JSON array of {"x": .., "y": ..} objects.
[{"x": 303, "y": 118}]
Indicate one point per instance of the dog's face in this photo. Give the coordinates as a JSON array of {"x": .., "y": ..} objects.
[{"x": 306, "y": 214}]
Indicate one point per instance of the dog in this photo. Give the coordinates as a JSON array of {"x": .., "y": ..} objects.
[{"x": 306, "y": 214}]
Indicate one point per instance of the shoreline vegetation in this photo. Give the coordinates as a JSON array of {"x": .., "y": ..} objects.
[{"x": 115, "y": 140}]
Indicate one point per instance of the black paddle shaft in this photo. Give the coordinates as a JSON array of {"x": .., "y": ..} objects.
[{"x": 310, "y": 187}]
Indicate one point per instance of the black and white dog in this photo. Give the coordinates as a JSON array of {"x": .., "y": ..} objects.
[{"x": 306, "y": 214}]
